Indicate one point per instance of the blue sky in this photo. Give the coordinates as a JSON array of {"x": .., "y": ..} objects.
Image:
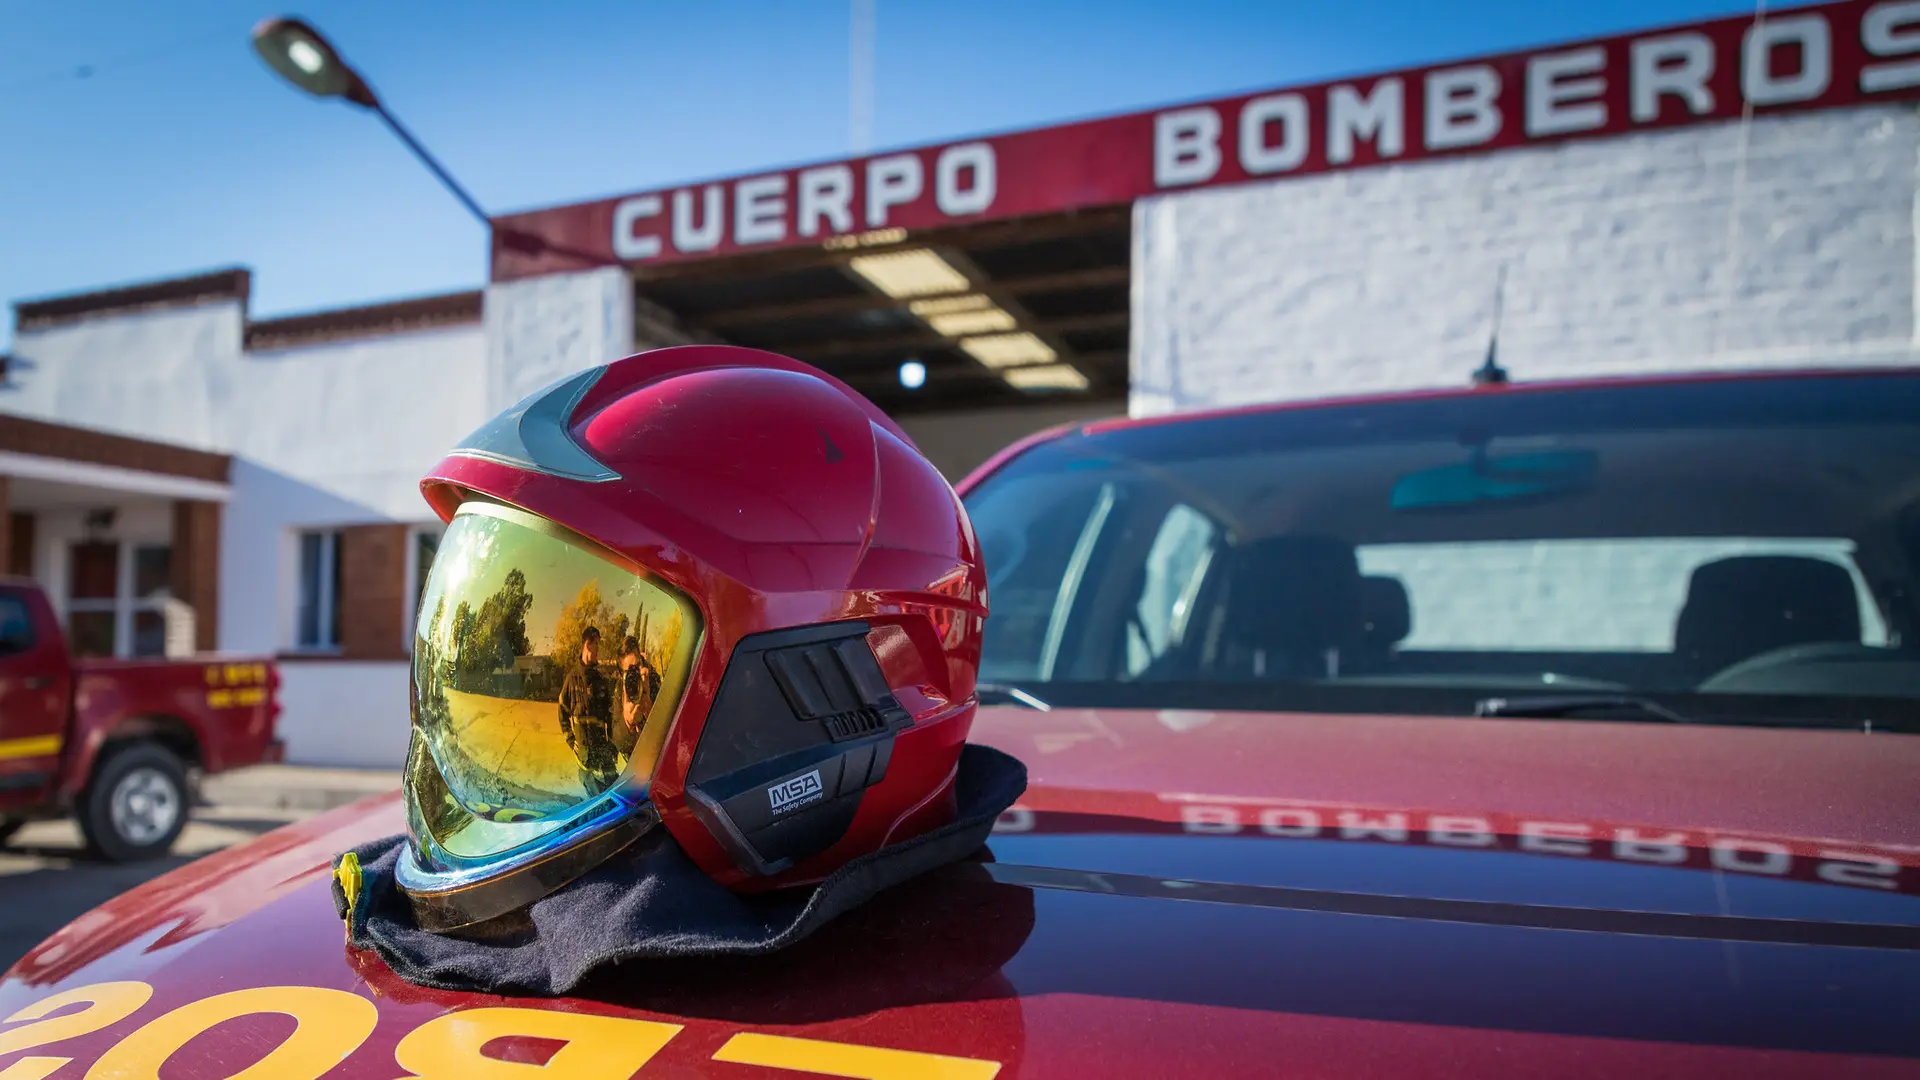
[{"x": 142, "y": 140}]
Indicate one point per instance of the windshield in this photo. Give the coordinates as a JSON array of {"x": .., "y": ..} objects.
[{"x": 1733, "y": 550}]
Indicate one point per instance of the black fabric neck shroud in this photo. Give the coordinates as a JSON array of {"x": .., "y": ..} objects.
[{"x": 651, "y": 901}]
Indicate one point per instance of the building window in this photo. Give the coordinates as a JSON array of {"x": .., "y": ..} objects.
[
  {"x": 152, "y": 589},
  {"x": 318, "y": 622},
  {"x": 117, "y": 596}
]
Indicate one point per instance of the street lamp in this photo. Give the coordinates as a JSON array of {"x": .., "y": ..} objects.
[
  {"x": 300, "y": 55},
  {"x": 309, "y": 61}
]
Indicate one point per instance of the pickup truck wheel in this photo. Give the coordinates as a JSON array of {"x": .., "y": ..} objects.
[{"x": 136, "y": 804}]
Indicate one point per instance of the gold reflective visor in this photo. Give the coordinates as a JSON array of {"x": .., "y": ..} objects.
[{"x": 545, "y": 674}]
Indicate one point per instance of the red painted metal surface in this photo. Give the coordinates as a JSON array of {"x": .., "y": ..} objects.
[
  {"x": 773, "y": 496},
  {"x": 1544, "y": 386},
  {"x": 1059, "y": 982},
  {"x": 36, "y": 692},
  {"x": 70, "y": 707},
  {"x": 229, "y": 703},
  {"x": 1823, "y": 56}
]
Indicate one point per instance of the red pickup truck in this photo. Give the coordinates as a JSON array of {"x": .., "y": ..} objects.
[{"x": 118, "y": 743}]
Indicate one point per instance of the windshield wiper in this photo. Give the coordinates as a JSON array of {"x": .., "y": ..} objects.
[
  {"x": 1547, "y": 706},
  {"x": 1002, "y": 694}
]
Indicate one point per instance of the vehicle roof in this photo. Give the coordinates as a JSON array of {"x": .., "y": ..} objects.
[{"x": 1202, "y": 416}]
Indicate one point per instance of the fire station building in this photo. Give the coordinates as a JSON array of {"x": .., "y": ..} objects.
[{"x": 1732, "y": 194}]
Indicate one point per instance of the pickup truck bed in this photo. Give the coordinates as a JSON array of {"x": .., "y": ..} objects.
[{"x": 117, "y": 743}]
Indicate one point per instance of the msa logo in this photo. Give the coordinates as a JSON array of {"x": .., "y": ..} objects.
[{"x": 800, "y": 789}]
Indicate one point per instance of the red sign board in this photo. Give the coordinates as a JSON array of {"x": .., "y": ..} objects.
[{"x": 1848, "y": 53}]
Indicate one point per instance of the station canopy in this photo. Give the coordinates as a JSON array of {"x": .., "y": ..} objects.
[
  {"x": 1000, "y": 264},
  {"x": 995, "y": 313}
]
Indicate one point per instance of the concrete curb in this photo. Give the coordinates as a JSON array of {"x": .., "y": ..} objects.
[{"x": 294, "y": 787}]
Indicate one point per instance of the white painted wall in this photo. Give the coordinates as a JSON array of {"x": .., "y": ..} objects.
[
  {"x": 373, "y": 416},
  {"x": 361, "y": 419},
  {"x": 152, "y": 374},
  {"x": 322, "y": 436},
  {"x": 1619, "y": 253},
  {"x": 341, "y": 713},
  {"x": 542, "y": 329}
]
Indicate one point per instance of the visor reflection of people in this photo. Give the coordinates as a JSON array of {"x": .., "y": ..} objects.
[
  {"x": 639, "y": 683},
  {"x": 632, "y": 497},
  {"x": 586, "y": 716}
]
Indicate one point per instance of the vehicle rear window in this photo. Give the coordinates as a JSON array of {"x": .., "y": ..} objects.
[
  {"x": 1735, "y": 549},
  {"x": 1513, "y": 595}
]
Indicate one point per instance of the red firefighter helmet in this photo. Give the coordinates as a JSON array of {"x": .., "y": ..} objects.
[{"x": 704, "y": 588}]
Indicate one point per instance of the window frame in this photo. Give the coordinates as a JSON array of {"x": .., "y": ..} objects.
[
  {"x": 125, "y": 605},
  {"x": 137, "y": 604},
  {"x": 326, "y": 637}
]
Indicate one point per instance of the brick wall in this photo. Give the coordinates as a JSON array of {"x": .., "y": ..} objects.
[
  {"x": 1619, "y": 253},
  {"x": 373, "y": 576},
  {"x": 196, "y": 567}
]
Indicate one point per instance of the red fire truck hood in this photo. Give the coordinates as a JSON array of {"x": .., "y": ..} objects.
[{"x": 1180, "y": 894}]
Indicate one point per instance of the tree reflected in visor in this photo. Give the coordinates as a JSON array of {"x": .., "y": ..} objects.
[{"x": 545, "y": 674}]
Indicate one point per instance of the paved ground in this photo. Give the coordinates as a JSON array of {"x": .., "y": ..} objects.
[
  {"x": 46, "y": 879},
  {"x": 296, "y": 787}
]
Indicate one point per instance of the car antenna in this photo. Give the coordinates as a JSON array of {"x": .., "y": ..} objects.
[{"x": 1491, "y": 373}]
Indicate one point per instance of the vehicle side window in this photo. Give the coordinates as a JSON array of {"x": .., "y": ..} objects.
[
  {"x": 16, "y": 625},
  {"x": 1035, "y": 560},
  {"x": 1175, "y": 565}
]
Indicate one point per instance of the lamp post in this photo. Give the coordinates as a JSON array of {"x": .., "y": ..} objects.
[{"x": 299, "y": 54}]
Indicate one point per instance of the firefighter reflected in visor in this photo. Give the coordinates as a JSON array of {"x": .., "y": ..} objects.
[
  {"x": 586, "y": 716},
  {"x": 543, "y": 674},
  {"x": 639, "y": 685}
]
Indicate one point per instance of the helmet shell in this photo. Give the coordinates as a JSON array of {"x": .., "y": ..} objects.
[{"x": 775, "y": 497}]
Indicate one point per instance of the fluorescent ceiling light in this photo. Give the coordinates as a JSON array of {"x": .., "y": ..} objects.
[
  {"x": 1009, "y": 350},
  {"x": 948, "y": 304},
  {"x": 1046, "y": 377},
  {"x": 919, "y": 272},
  {"x": 963, "y": 323}
]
